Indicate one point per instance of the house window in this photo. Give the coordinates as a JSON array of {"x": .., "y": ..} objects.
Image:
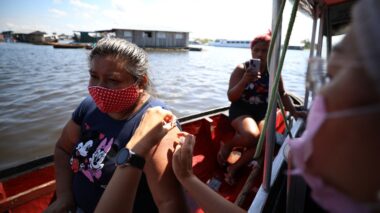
[
  {"x": 161, "y": 35},
  {"x": 147, "y": 34},
  {"x": 179, "y": 36},
  {"x": 127, "y": 34}
]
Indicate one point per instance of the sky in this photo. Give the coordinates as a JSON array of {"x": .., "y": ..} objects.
[{"x": 224, "y": 19}]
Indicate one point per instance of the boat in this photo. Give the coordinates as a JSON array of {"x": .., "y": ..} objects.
[
  {"x": 262, "y": 185},
  {"x": 72, "y": 45},
  {"x": 230, "y": 43},
  {"x": 191, "y": 48},
  {"x": 30, "y": 187},
  {"x": 295, "y": 47}
]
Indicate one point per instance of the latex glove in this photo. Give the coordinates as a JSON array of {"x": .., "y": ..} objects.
[
  {"x": 154, "y": 125},
  {"x": 183, "y": 156}
]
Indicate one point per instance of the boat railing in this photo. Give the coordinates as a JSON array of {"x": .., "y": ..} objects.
[
  {"x": 26, "y": 167},
  {"x": 208, "y": 113},
  {"x": 280, "y": 160}
]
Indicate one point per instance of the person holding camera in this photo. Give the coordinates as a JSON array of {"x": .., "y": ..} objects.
[{"x": 248, "y": 94}]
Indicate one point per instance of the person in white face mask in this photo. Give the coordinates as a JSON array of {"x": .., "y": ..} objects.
[{"x": 338, "y": 155}]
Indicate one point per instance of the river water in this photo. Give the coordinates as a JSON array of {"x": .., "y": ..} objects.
[{"x": 40, "y": 87}]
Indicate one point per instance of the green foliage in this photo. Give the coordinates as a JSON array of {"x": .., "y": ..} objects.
[{"x": 306, "y": 43}]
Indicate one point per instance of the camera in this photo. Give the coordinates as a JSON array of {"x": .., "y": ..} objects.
[{"x": 254, "y": 65}]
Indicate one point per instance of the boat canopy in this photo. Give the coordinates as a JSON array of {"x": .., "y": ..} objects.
[{"x": 336, "y": 14}]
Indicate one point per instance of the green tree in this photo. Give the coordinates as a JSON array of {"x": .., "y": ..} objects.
[{"x": 306, "y": 43}]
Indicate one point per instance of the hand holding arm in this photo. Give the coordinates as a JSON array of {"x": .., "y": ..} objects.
[
  {"x": 121, "y": 190},
  {"x": 154, "y": 125}
]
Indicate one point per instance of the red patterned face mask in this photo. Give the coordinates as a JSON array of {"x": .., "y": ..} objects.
[{"x": 114, "y": 100}]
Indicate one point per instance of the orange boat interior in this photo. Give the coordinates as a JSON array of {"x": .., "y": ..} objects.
[{"x": 209, "y": 133}]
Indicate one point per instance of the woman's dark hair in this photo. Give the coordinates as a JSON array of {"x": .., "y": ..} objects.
[{"x": 133, "y": 58}]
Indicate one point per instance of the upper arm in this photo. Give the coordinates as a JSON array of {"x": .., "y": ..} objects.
[
  {"x": 69, "y": 137},
  {"x": 166, "y": 190},
  {"x": 236, "y": 76},
  {"x": 234, "y": 89}
]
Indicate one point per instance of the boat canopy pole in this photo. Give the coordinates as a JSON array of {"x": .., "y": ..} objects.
[
  {"x": 320, "y": 35},
  {"x": 271, "y": 47},
  {"x": 273, "y": 98},
  {"x": 269, "y": 149},
  {"x": 314, "y": 31},
  {"x": 270, "y": 131},
  {"x": 311, "y": 54},
  {"x": 328, "y": 33}
]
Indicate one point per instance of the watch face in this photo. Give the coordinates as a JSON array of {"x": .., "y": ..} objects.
[
  {"x": 126, "y": 157},
  {"x": 122, "y": 157}
]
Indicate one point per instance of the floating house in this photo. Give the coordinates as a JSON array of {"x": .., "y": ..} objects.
[
  {"x": 150, "y": 38},
  {"x": 86, "y": 36},
  {"x": 36, "y": 37},
  {"x": 7, "y": 36}
]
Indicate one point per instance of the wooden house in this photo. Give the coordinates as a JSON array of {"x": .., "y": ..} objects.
[
  {"x": 86, "y": 36},
  {"x": 7, "y": 36},
  {"x": 150, "y": 38},
  {"x": 36, "y": 37}
]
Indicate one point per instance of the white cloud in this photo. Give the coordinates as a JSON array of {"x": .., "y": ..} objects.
[
  {"x": 10, "y": 25},
  {"x": 81, "y": 5},
  {"x": 57, "y": 13},
  {"x": 86, "y": 15},
  {"x": 24, "y": 27}
]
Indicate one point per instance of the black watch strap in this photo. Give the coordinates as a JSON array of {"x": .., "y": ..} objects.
[
  {"x": 137, "y": 161},
  {"x": 126, "y": 157}
]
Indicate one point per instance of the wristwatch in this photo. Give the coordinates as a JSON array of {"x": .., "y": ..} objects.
[{"x": 126, "y": 157}]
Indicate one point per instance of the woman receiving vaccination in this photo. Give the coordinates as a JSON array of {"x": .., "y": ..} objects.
[{"x": 100, "y": 129}]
